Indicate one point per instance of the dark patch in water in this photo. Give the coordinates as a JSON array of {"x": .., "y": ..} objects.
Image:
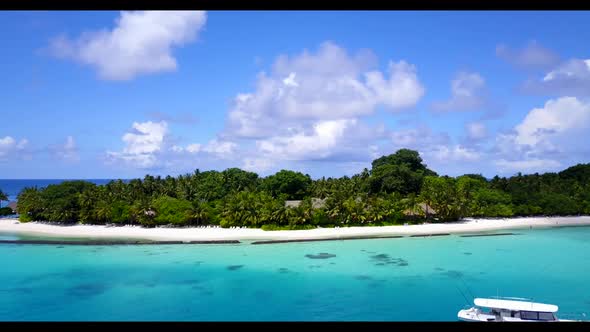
[
  {"x": 207, "y": 292},
  {"x": 439, "y": 269},
  {"x": 59, "y": 247},
  {"x": 453, "y": 274},
  {"x": 467, "y": 253},
  {"x": 21, "y": 290},
  {"x": 189, "y": 282},
  {"x": 284, "y": 270},
  {"x": 332, "y": 263},
  {"x": 86, "y": 290},
  {"x": 363, "y": 277},
  {"x": 315, "y": 266},
  {"x": 235, "y": 267},
  {"x": 381, "y": 257},
  {"x": 322, "y": 255},
  {"x": 198, "y": 262},
  {"x": 385, "y": 259}
]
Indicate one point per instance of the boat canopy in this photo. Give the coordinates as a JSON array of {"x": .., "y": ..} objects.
[{"x": 515, "y": 305}]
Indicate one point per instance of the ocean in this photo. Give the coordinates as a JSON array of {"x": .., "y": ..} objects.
[{"x": 400, "y": 279}]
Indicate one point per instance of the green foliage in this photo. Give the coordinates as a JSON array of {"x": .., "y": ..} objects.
[
  {"x": 273, "y": 227},
  {"x": 171, "y": 210},
  {"x": 6, "y": 211},
  {"x": 441, "y": 195},
  {"x": 3, "y": 196},
  {"x": 401, "y": 172},
  {"x": 396, "y": 190},
  {"x": 295, "y": 185}
]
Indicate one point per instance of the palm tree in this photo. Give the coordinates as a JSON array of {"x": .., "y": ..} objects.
[
  {"x": 199, "y": 213},
  {"x": 3, "y": 197}
]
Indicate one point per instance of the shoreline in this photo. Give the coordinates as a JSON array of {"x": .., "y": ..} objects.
[{"x": 100, "y": 232}]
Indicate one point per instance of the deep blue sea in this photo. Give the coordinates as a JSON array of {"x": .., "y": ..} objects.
[
  {"x": 13, "y": 187},
  {"x": 403, "y": 279}
]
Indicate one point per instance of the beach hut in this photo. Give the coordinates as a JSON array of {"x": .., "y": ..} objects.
[
  {"x": 421, "y": 210},
  {"x": 316, "y": 203},
  {"x": 12, "y": 205},
  {"x": 292, "y": 203}
]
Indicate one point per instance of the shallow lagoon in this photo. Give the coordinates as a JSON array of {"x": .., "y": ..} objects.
[{"x": 399, "y": 279}]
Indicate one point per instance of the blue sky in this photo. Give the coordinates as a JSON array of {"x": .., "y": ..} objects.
[{"x": 121, "y": 94}]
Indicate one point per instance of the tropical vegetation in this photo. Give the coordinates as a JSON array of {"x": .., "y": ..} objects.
[{"x": 399, "y": 188}]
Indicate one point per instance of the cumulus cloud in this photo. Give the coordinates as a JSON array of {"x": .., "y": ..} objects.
[
  {"x": 532, "y": 55},
  {"x": 476, "y": 131},
  {"x": 569, "y": 78},
  {"x": 140, "y": 43},
  {"x": 67, "y": 151},
  {"x": 529, "y": 165},
  {"x": 309, "y": 107},
  {"x": 257, "y": 164},
  {"x": 434, "y": 147},
  {"x": 467, "y": 94},
  {"x": 327, "y": 85},
  {"x": 222, "y": 149},
  {"x": 454, "y": 153},
  {"x": 317, "y": 144},
  {"x": 142, "y": 144},
  {"x": 11, "y": 148},
  {"x": 148, "y": 145},
  {"x": 547, "y": 136}
]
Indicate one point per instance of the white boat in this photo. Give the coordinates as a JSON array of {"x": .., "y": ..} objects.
[{"x": 508, "y": 310}]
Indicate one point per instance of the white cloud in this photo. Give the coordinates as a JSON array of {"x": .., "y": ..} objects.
[
  {"x": 317, "y": 144},
  {"x": 142, "y": 144},
  {"x": 570, "y": 78},
  {"x": 327, "y": 85},
  {"x": 222, "y": 149},
  {"x": 532, "y": 55},
  {"x": 149, "y": 145},
  {"x": 476, "y": 131},
  {"x": 67, "y": 152},
  {"x": 467, "y": 91},
  {"x": 9, "y": 147},
  {"x": 454, "y": 153},
  {"x": 193, "y": 148},
  {"x": 547, "y": 137},
  {"x": 257, "y": 164},
  {"x": 529, "y": 165},
  {"x": 140, "y": 43},
  {"x": 557, "y": 117},
  {"x": 421, "y": 138},
  {"x": 574, "y": 68}
]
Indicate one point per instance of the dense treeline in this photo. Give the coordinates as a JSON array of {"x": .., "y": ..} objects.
[{"x": 398, "y": 188}]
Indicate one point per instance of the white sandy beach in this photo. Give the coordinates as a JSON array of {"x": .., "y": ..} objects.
[{"x": 216, "y": 233}]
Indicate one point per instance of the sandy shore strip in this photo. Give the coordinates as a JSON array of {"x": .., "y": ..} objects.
[{"x": 215, "y": 233}]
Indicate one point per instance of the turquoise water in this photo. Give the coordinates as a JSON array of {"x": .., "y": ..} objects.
[{"x": 405, "y": 279}]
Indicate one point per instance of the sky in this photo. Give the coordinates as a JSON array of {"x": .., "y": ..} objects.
[{"x": 111, "y": 94}]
